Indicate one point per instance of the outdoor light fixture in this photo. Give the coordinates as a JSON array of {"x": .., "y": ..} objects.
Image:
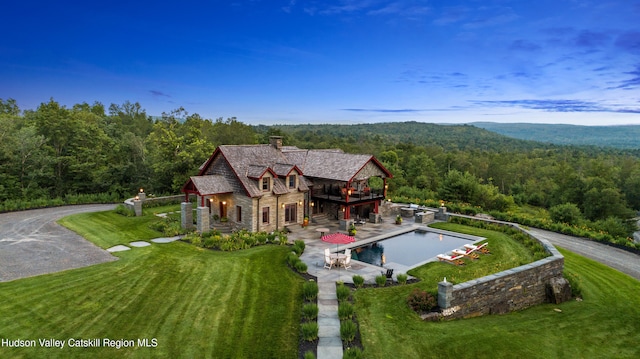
[
  {"x": 211, "y": 200},
  {"x": 313, "y": 204},
  {"x": 137, "y": 198},
  {"x": 349, "y": 192},
  {"x": 283, "y": 205},
  {"x": 141, "y": 190},
  {"x": 300, "y": 203},
  {"x": 224, "y": 203}
]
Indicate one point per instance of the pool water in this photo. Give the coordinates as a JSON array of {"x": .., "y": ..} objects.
[{"x": 408, "y": 249}]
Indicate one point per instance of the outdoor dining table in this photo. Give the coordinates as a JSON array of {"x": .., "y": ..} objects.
[{"x": 322, "y": 231}]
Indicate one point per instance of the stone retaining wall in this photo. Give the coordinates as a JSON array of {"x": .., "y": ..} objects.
[{"x": 514, "y": 289}]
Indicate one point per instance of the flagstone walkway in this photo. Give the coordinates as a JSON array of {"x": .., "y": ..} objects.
[{"x": 330, "y": 343}]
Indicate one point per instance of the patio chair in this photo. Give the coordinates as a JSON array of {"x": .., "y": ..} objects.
[
  {"x": 328, "y": 261},
  {"x": 388, "y": 273},
  {"x": 456, "y": 259},
  {"x": 347, "y": 262}
]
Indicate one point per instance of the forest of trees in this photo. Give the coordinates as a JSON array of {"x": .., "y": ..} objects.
[{"x": 54, "y": 151}]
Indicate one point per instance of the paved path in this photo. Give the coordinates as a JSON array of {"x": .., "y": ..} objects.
[
  {"x": 32, "y": 243},
  {"x": 625, "y": 262}
]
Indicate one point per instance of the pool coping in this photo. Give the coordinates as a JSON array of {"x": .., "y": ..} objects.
[{"x": 403, "y": 230}]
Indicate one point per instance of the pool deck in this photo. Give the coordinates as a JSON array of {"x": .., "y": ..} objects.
[{"x": 330, "y": 344}]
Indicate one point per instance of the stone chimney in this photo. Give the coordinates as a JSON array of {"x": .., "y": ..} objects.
[{"x": 276, "y": 142}]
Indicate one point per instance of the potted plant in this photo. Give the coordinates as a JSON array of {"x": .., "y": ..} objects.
[
  {"x": 398, "y": 219},
  {"x": 352, "y": 230},
  {"x": 305, "y": 221}
]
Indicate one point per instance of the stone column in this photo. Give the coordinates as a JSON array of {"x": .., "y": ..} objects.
[
  {"x": 137, "y": 207},
  {"x": 445, "y": 294},
  {"x": 142, "y": 195},
  {"x": 186, "y": 210},
  {"x": 345, "y": 224},
  {"x": 202, "y": 219},
  {"x": 442, "y": 214}
]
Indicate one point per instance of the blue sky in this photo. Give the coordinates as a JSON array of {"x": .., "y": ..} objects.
[{"x": 351, "y": 61}]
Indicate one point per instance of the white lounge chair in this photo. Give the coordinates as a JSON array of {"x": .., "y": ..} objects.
[
  {"x": 455, "y": 259},
  {"x": 481, "y": 248},
  {"x": 467, "y": 253}
]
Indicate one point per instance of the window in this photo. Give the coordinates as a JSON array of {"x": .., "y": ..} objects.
[
  {"x": 238, "y": 214},
  {"x": 266, "y": 183},
  {"x": 265, "y": 214},
  {"x": 292, "y": 181}
]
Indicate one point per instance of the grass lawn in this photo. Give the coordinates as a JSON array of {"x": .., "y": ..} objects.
[
  {"x": 197, "y": 304},
  {"x": 108, "y": 229},
  {"x": 605, "y": 325}
]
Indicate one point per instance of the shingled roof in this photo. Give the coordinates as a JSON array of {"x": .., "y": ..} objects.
[
  {"x": 207, "y": 185},
  {"x": 250, "y": 162}
]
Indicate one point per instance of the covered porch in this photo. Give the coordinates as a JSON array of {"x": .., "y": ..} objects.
[{"x": 214, "y": 197}]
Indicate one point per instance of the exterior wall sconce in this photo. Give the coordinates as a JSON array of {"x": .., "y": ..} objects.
[
  {"x": 283, "y": 205},
  {"x": 300, "y": 203},
  {"x": 313, "y": 204},
  {"x": 224, "y": 203},
  {"x": 349, "y": 192}
]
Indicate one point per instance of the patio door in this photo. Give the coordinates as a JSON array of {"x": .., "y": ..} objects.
[{"x": 291, "y": 213}]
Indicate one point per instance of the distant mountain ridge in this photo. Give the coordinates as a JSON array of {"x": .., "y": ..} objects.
[{"x": 621, "y": 137}]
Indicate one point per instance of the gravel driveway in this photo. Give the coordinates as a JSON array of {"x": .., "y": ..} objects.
[
  {"x": 625, "y": 262},
  {"x": 32, "y": 243}
]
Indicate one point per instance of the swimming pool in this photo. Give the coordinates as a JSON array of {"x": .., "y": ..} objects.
[{"x": 411, "y": 248}]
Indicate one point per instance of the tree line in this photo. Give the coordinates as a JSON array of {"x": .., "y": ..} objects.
[{"x": 54, "y": 151}]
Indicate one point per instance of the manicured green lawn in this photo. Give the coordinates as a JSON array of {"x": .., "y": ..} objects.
[
  {"x": 108, "y": 229},
  {"x": 605, "y": 325},
  {"x": 197, "y": 304}
]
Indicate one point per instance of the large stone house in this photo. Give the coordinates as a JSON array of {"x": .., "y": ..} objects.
[{"x": 270, "y": 186}]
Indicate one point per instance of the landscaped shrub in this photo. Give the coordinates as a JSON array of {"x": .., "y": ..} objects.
[
  {"x": 348, "y": 330},
  {"x": 342, "y": 292},
  {"x": 310, "y": 290},
  {"x": 301, "y": 266},
  {"x": 345, "y": 311},
  {"x": 196, "y": 240},
  {"x": 574, "y": 282},
  {"x": 402, "y": 278},
  {"x": 353, "y": 353},
  {"x": 421, "y": 301},
  {"x": 299, "y": 243},
  {"x": 310, "y": 331},
  {"x": 309, "y": 355},
  {"x": 283, "y": 238},
  {"x": 292, "y": 259},
  {"x": 381, "y": 280},
  {"x": 123, "y": 210},
  {"x": 310, "y": 311},
  {"x": 358, "y": 281}
]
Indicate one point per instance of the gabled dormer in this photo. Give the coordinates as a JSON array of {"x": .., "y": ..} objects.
[
  {"x": 263, "y": 176},
  {"x": 290, "y": 175}
]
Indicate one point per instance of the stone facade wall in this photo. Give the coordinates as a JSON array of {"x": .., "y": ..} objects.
[{"x": 511, "y": 290}]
